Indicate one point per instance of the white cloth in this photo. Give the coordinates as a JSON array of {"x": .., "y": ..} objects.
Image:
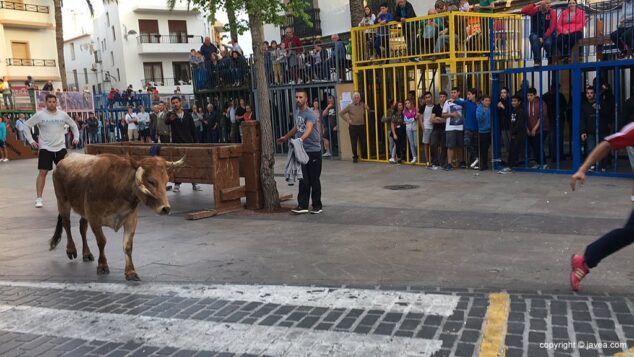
[{"x": 296, "y": 158}]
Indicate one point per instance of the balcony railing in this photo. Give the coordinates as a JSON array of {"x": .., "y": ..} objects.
[
  {"x": 19, "y": 6},
  {"x": 222, "y": 75},
  {"x": 28, "y": 62},
  {"x": 174, "y": 38},
  {"x": 455, "y": 34},
  {"x": 161, "y": 82}
]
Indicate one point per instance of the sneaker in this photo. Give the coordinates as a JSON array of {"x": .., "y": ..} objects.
[
  {"x": 5, "y": 160},
  {"x": 177, "y": 188},
  {"x": 299, "y": 210},
  {"x": 316, "y": 210},
  {"x": 475, "y": 163},
  {"x": 413, "y": 160},
  {"x": 393, "y": 161},
  {"x": 506, "y": 170},
  {"x": 434, "y": 167},
  {"x": 579, "y": 271},
  {"x": 476, "y": 167},
  {"x": 327, "y": 154},
  {"x": 39, "y": 203},
  {"x": 448, "y": 167},
  {"x": 196, "y": 187}
]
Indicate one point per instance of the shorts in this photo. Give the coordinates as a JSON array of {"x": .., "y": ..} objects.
[
  {"x": 427, "y": 136},
  {"x": 133, "y": 134},
  {"x": 45, "y": 159},
  {"x": 455, "y": 139},
  {"x": 1, "y": 144}
]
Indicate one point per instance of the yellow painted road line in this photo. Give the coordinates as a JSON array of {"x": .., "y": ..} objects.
[
  {"x": 625, "y": 354},
  {"x": 495, "y": 326}
]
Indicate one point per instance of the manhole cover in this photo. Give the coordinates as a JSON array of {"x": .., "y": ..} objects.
[{"x": 401, "y": 187}]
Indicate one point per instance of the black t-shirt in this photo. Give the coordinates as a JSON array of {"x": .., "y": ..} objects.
[
  {"x": 437, "y": 111},
  {"x": 240, "y": 112}
]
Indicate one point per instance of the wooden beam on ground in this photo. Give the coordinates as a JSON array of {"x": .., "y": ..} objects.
[
  {"x": 202, "y": 214},
  {"x": 233, "y": 193}
]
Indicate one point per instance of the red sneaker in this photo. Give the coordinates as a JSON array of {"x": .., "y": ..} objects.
[{"x": 579, "y": 271}]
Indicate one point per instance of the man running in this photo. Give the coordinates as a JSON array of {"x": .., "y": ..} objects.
[
  {"x": 52, "y": 143},
  {"x": 616, "y": 239}
]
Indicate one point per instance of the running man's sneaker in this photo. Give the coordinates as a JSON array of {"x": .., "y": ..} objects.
[
  {"x": 39, "y": 203},
  {"x": 299, "y": 210},
  {"x": 316, "y": 210},
  {"x": 579, "y": 271},
  {"x": 177, "y": 188}
]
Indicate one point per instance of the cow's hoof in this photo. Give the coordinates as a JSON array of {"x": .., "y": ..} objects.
[
  {"x": 89, "y": 258},
  {"x": 72, "y": 254},
  {"x": 103, "y": 270},
  {"x": 132, "y": 277}
]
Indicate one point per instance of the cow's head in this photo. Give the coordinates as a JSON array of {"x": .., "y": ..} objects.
[{"x": 151, "y": 177}]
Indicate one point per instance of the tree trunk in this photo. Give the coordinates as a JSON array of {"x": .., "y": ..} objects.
[
  {"x": 356, "y": 12},
  {"x": 231, "y": 15},
  {"x": 269, "y": 186},
  {"x": 59, "y": 38}
]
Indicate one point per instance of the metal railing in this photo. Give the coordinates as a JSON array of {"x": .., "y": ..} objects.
[
  {"x": 226, "y": 73},
  {"x": 161, "y": 82},
  {"x": 29, "y": 62},
  {"x": 446, "y": 35},
  {"x": 20, "y": 6},
  {"x": 173, "y": 38}
]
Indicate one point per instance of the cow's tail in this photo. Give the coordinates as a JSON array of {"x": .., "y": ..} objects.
[{"x": 57, "y": 236}]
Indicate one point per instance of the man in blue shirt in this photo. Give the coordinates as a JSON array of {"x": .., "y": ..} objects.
[
  {"x": 483, "y": 114},
  {"x": 307, "y": 130},
  {"x": 382, "y": 41},
  {"x": 470, "y": 127}
]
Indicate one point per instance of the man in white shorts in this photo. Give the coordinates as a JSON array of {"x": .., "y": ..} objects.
[
  {"x": 52, "y": 143},
  {"x": 426, "y": 110}
]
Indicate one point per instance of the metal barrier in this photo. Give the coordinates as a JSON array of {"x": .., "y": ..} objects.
[{"x": 226, "y": 73}]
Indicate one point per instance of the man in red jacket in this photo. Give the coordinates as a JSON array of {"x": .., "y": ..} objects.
[
  {"x": 543, "y": 24},
  {"x": 616, "y": 239}
]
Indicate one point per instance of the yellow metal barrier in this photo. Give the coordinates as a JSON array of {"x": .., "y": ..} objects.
[{"x": 399, "y": 61}]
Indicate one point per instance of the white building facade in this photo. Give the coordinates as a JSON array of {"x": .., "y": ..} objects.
[
  {"x": 27, "y": 42},
  {"x": 136, "y": 43}
]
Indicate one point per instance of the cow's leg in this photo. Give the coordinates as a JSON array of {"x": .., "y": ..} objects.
[
  {"x": 83, "y": 229},
  {"x": 102, "y": 263},
  {"x": 71, "y": 250},
  {"x": 129, "y": 228}
]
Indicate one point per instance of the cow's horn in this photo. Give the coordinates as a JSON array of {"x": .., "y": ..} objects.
[
  {"x": 139, "y": 182},
  {"x": 176, "y": 164}
]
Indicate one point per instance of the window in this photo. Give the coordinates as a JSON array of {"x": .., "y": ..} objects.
[
  {"x": 178, "y": 31},
  {"x": 86, "y": 75},
  {"x": 182, "y": 73},
  {"x": 75, "y": 78},
  {"x": 149, "y": 31},
  {"x": 118, "y": 75},
  {"x": 20, "y": 50},
  {"x": 112, "y": 57},
  {"x": 107, "y": 19},
  {"x": 114, "y": 37},
  {"x": 72, "y": 51},
  {"x": 153, "y": 72}
]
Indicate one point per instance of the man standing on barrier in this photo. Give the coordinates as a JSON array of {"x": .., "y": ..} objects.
[{"x": 307, "y": 131}]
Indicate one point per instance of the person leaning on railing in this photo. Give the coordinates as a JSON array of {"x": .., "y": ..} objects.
[
  {"x": 570, "y": 28},
  {"x": 7, "y": 95},
  {"x": 623, "y": 37},
  {"x": 543, "y": 25}
]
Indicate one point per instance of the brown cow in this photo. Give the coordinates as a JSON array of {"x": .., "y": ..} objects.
[{"x": 105, "y": 191}]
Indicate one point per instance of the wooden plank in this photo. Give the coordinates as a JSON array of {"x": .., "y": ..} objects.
[
  {"x": 202, "y": 214},
  {"x": 233, "y": 193}
]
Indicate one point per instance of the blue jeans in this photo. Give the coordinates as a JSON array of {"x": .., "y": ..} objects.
[
  {"x": 536, "y": 47},
  {"x": 413, "y": 143}
]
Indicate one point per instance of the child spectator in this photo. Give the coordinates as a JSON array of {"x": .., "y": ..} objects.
[
  {"x": 410, "y": 118},
  {"x": 483, "y": 114}
]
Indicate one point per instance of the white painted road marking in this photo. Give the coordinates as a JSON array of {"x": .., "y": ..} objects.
[
  {"x": 394, "y": 301},
  {"x": 208, "y": 336}
]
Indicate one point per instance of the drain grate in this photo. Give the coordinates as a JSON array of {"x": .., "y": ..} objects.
[{"x": 401, "y": 187}]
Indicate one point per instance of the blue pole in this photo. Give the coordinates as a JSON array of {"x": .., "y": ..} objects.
[{"x": 576, "y": 115}]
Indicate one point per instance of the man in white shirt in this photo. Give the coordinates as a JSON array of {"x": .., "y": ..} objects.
[
  {"x": 454, "y": 128},
  {"x": 132, "y": 120},
  {"x": 52, "y": 143},
  {"x": 426, "y": 111}
]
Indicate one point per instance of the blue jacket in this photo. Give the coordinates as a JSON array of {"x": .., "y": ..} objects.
[
  {"x": 484, "y": 119},
  {"x": 470, "y": 123},
  {"x": 3, "y": 131}
]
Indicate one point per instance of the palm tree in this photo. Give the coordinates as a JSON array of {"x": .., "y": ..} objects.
[
  {"x": 59, "y": 35},
  {"x": 356, "y": 12}
]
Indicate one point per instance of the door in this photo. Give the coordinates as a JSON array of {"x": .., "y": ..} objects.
[
  {"x": 153, "y": 72},
  {"x": 182, "y": 73},
  {"x": 149, "y": 31},
  {"x": 21, "y": 54},
  {"x": 178, "y": 31}
]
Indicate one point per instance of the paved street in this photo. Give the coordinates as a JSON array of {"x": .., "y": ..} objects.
[{"x": 463, "y": 264}]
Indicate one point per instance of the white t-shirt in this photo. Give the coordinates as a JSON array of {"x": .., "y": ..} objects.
[
  {"x": 132, "y": 121},
  {"x": 427, "y": 124},
  {"x": 454, "y": 123},
  {"x": 51, "y": 125}
]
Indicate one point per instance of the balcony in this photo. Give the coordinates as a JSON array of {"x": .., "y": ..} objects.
[
  {"x": 166, "y": 82},
  {"x": 159, "y": 7},
  {"x": 149, "y": 43},
  {"x": 40, "y": 69},
  {"x": 28, "y": 62},
  {"x": 25, "y": 15}
]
